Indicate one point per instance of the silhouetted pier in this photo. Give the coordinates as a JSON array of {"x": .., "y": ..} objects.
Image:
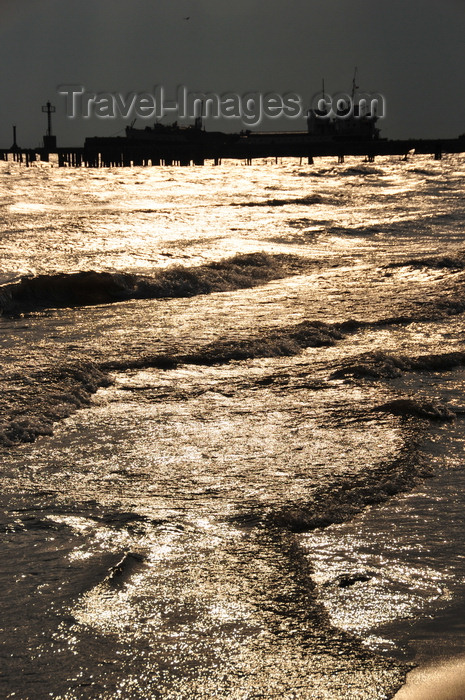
[
  {"x": 102, "y": 152},
  {"x": 352, "y": 131}
]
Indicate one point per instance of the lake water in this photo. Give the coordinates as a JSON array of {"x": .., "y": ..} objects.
[{"x": 232, "y": 428}]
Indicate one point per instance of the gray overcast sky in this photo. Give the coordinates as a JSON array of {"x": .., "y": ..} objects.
[{"x": 411, "y": 51}]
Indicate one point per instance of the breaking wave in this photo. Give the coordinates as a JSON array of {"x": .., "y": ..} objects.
[
  {"x": 379, "y": 365},
  {"x": 350, "y": 495},
  {"x": 452, "y": 262},
  {"x": 90, "y": 287},
  {"x": 281, "y": 342},
  {"x": 275, "y": 343},
  {"x": 421, "y": 408},
  {"x": 34, "y": 403}
]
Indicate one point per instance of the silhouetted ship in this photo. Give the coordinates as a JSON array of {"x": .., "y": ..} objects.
[
  {"x": 352, "y": 122},
  {"x": 173, "y": 134},
  {"x": 174, "y": 143}
]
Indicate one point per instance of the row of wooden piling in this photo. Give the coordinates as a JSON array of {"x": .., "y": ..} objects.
[{"x": 81, "y": 157}]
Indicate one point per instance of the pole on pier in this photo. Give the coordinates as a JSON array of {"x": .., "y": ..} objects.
[
  {"x": 49, "y": 109},
  {"x": 14, "y": 148},
  {"x": 50, "y": 142}
]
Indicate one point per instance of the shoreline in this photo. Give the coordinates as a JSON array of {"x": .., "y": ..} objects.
[{"x": 443, "y": 679}]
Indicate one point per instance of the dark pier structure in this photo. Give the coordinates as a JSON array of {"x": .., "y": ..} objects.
[
  {"x": 111, "y": 152},
  {"x": 345, "y": 134}
]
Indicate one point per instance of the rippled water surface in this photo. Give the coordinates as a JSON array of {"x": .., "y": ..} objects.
[{"x": 232, "y": 428}]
